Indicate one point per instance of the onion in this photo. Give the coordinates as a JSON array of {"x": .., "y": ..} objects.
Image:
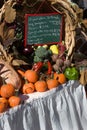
[{"x": 54, "y": 57}]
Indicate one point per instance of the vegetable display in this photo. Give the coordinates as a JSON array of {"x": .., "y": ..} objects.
[
  {"x": 48, "y": 70},
  {"x": 25, "y": 69}
]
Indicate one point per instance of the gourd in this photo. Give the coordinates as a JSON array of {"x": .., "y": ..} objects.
[
  {"x": 14, "y": 101},
  {"x": 52, "y": 83},
  {"x": 41, "y": 86},
  {"x": 3, "y": 104},
  {"x": 60, "y": 77},
  {"x": 28, "y": 88},
  {"x": 8, "y": 73},
  {"x": 31, "y": 76},
  {"x": 7, "y": 90}
]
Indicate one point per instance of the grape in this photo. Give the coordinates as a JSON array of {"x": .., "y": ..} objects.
[
  {"x": 28, "y": 50},
  {"x": 19, "y": 1}
]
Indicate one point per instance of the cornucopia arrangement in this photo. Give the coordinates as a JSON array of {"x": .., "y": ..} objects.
[{"x": 25, "y": 70}]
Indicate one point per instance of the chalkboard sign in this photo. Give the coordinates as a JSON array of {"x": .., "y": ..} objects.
[{"x": 43, "y": 28}]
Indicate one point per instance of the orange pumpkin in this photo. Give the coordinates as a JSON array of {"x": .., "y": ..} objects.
[
  {"x": 41, "y": 86},
  {"x": 14, "y": 101},
  {"x": 60, "y": 77},
  {"x": 7, "y": 90},
  {"x": 52, "y": 83},
  {"x": 28, "y": 88},
  {"x": 31, "y": 76},
  {"x": 3, "y": 104}
]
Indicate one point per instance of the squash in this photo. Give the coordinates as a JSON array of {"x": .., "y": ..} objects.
[
  {"x": 7, "y": 90},
  {"x": 8, "y": 73}
]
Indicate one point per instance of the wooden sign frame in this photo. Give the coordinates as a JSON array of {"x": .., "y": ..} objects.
[{"x": 53, "y": 17}]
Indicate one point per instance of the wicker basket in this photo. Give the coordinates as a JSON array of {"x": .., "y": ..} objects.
[{"x": 73, "y": 16}]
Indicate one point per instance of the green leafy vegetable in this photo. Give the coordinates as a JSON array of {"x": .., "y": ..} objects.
[{"x": 41, "y": 54}]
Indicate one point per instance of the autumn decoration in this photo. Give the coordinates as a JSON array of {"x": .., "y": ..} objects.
[
  {"x": 7, "y": 90},
  {"x": 14, "y": 101},
  {"x": 31, "y": 69},
  {"x": 52, "y": 83},
  {"x": 60, "y": 78},
  {"x": 31, "y": 76},
  {"x": 28, "y": 88},
  {"x": 3, "y": 104},
  {"x": 41, "y": 86}
]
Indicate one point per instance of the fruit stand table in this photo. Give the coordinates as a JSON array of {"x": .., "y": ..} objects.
[{"x": 63, "y": 108}]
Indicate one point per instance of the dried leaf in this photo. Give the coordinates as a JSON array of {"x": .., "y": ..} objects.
[
  {"x": 17, "y": 62},
  {"x": 82, "y": 78},
  {"x": 8, "y": 37},
  {"x": 85, "y": 22},
  {"x": 4, "y": 55},
  {"x": 10, "y": 13},
  {"x": 7, "y": 34},
  {"x": 2, "y": 29},
  {"x": 86, "y": 76}
]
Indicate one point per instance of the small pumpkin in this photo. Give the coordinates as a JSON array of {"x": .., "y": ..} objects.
[
  {"x": 28, "y": 88},
  {"x": 7, "y": 90},
  {"x": 14, "y": 101},
  {"x": 41, "y": 86},
  {"x": 31, "y": 76},
  {"x": 52, "y": 83},
  {"x": 60, "y": 77},
  {"x": 3, "y": 104}
]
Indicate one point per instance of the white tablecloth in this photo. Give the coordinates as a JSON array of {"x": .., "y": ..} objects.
[{"x": 64, "y": 108}]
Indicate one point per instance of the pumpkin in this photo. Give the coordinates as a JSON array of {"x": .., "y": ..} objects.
[
  {"x": 52, "y": 83},
  {"x": 41, "y": 86},
  {"x": 3, "y": 104},
  {"x": 7, "y": 90},
  {"x": 14, "y": 101},
  {"x": 60, "y": 77},
  {"x": 28, "y": 88},
  {"x": 31, "y": 76}
]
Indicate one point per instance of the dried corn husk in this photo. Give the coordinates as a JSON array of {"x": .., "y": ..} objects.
[
  {"x": 73, "y": 15},
  {"x": 82, "y": 78}
]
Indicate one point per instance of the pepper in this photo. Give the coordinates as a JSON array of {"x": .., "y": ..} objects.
[
  {"x": 40, "y": 65},
  {"x": 49, "y": 67},
  {"x": 54, "y": 49},
  {"x": 71, "y": 73},
  {"x": 37, "y": 66}
]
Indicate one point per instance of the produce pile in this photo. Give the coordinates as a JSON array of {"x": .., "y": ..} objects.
[{"x": 25, "y": 70}]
